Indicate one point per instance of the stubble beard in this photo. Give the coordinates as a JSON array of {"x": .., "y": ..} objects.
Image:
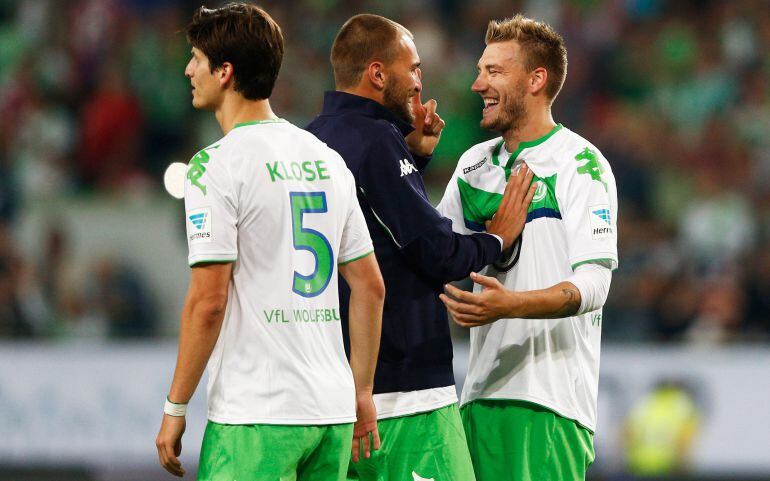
[
  {"x": 397, "y": 100},
  {"x": 512, "y": 114}
]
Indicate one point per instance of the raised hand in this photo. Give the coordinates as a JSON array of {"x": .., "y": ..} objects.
[{"x": 427, "y": 127}]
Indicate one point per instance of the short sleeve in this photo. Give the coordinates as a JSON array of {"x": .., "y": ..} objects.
[
  {"x": 356, "y": 242},
  {"x": 451, "y": 205},
  {"x": 211, "y": 213},
  {"x": 588, "y": 200}
]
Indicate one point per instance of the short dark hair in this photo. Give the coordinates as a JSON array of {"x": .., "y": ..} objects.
[
  {"x": 541, "y": 44},
  {"x": 363, "y": 39},
  {"x": 245, "y": 36}
]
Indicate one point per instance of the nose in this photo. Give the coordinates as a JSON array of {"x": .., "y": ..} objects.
[
  {"x": 188, "y": 70},
  {"x": 480, "y": 84},
  {"x": 418, "y": 80}
]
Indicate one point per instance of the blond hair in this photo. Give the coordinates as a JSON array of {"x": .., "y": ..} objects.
[{"x": 542, "y": 47}]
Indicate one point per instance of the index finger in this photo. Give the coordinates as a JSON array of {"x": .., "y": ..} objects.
[
  {"x": 367, "y": 447},
  {"x": 459, "y": 294},
  {"x": 529, "y": 175}
]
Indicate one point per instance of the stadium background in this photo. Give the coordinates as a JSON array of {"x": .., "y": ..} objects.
[{"x": 94, "y": 105}]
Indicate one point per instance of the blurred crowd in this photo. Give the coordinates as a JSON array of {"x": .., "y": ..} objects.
[{"x": 676, "y": 94}]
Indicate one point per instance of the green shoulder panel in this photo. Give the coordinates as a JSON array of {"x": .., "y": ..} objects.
[{"x": 478, "y": 205}]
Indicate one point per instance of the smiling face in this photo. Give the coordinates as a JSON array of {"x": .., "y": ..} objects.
[
  {"x": 207, "y": 90},
  {"x": 502, "y": 84},
  {"x": 403, "y": 80}
]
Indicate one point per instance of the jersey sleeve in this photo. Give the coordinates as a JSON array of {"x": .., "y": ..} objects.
[
  {"x": 356, "y": 242},
  {"x": 588, "y": 200},
  {"x": 451, "y": 205},
  {"x": 211, "y": 212}
]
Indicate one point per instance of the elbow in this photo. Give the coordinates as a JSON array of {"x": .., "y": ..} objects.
[
  {"x": 210, "y": 308},
  {"x": 376, "y": 290}
]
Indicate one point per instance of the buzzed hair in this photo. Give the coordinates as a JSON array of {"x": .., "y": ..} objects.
[
  {"x": 364, "y": 39},
  {"x": 541, "y": 44}
]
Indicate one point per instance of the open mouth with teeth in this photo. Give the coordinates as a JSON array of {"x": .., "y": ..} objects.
[{"x": 490, "y": 104}]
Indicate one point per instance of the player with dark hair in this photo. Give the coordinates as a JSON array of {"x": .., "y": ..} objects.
[
  {"x": 529, "y": 400},
  {"x": 376, "y": 121},
  {"x": 272, "y": 218}
]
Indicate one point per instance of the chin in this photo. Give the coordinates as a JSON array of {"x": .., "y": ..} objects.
[{"x": 488, "y": 124}]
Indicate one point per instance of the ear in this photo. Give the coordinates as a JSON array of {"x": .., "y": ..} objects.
[
  {"x": 375, "y": 74},
  {"x": 538, "y": 80},
  {"x": 225, "y": 74}
]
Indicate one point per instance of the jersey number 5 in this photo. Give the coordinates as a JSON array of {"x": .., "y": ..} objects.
[{"x": 311, "y": 240}]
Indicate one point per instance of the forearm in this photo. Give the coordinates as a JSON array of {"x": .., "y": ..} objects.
[
  {"x": 365, "y": 323},
  {"x": 446, "y": 256},
  {"x": 561, "y": 300},
  {"x": 198, "y": 334}
]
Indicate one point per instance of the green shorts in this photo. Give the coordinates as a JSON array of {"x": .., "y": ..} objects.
[
  {"x": 263, "y": 452},
  {"x": 426, "y": 446},
  {"x": 520, "y": 441}
]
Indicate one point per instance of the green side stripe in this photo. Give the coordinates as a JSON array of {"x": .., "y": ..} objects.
[
  {"x": 213, "y": 261},
  {"x": 478, "y": 205},
  {"x": 595, "y": 261},
  {"x": 355, "y": 258},
  {"x": 257, "y": 122}
]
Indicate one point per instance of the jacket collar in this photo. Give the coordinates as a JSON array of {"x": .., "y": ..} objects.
[{"x": 338, "y": 103}]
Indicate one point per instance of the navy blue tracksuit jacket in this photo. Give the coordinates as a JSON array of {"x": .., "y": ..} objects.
[{"x": 416, "y": 248}]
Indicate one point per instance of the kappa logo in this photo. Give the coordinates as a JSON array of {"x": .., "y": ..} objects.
[
  {"x": 197, "y": 168},
  {"x": 417, "y": 477},
  {"x": 592, "y": 167},
  {"x": 473, "y": 167},
  {"x": 407, "y": 167}
]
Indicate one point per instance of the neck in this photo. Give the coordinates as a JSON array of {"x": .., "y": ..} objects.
[
  {"x": 534, "y": 126},
  {"x": 365, "y": 91},
  {"x": 235, "y": 109}
]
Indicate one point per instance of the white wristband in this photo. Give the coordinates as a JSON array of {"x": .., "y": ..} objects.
[{"x": 174, "y": 409}]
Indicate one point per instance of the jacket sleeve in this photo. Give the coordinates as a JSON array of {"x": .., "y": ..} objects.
[{"x": 391, "y": 184}]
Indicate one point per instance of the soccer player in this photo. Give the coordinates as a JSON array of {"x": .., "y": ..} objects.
[
  {"x": 529, "y": 400},
  {"x": 376, "y": 121},
  {"x": 271, "y": 217}
]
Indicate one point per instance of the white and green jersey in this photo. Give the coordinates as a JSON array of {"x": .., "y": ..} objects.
[
  {"x": 572, "y": 220},
  {"x": 282, "y": 206}
]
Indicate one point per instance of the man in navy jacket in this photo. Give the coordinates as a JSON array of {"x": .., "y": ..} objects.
[{"x": 376, "y": 121}]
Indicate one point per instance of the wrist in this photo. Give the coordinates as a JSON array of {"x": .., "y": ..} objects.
[
  {"x": 174, "y": 409},
  {"x": 516, "y": 305},
  {"x": 421, "y": 153},
  {"x": 365, "y": 392}
]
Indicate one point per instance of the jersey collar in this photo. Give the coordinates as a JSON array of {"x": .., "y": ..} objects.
[
  {"x": 257, "y": 122},
  {"x": 522, "y": 145},
  {"x": 338, "y": 103}
]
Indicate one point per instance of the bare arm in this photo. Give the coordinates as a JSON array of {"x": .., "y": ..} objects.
[
  {"x": 365, "y": 324},
  {"x": 495, "y": 302},
  {"x": 202, "y": 315}
]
